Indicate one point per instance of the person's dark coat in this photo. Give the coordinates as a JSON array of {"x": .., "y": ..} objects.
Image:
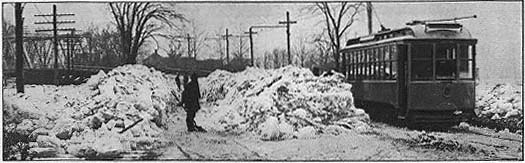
[
  {"x": 191, "y": 95},
  {"x": 177, "y": 81}
]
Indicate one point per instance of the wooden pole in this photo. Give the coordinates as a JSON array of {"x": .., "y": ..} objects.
[
  {"x": 189, "y": 44},
  {"x": 288, "y": 22},
  {"x": 288, "y": 37},
  {"x": 251, "y": 46},
  {"x": 55, "y": 44},
  {"x": 19, "y": 35},
  {"x": 227, "y": 47}
]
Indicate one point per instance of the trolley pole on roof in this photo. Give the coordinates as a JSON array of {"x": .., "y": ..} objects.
[
  {"x": 288, "y": 22},
  {"x": 19, "y": 35}
]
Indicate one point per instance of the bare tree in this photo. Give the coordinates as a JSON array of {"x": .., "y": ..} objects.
[
  {"x": 138, "y": 21},
  {"x": 302, "y": 52},
  {"x": 198, "y": 39},
  {"x": 323, "y": 48},
  {"x": 175, "y": 48},
  {"x": 40, "y": 52},
  {"x": 8, "y": 57},
  {"x": 241, "y": 48},
  {"x": 338, "y": 17}
]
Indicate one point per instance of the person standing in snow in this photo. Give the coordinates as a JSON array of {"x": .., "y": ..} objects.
[{"x": 190, "y": 101}]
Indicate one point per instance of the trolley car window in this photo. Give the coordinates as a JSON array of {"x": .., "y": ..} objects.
[
  {"x": 393, "y": 65},
  {"x": 446, "y": 65},
  {"x": 465, "y": 62},
  {"x": 388, "y": 67},
  {"x": 421, "y": 55},
  {"x": 366, "y": 63},
  {"x": 373, "y": 66},
  {"x": 381, "y": 63}
]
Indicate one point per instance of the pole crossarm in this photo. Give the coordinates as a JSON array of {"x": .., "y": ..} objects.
[
  {"x": 65, "y": 14},
  {"x": 268, "y": 26},
  {"x": 58, "y": 22},
  {"x": 240, "y": 35},
  {"x": 287, "y": 22},
  {"x": 59, "y": 29},
  {"x": 213, "y": 38}
]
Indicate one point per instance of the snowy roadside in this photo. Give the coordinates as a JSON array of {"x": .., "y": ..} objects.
[
  {"x": 115, "y": 113},
  {"x": 499, "y": 106},
  {"x": 283, "y": 114},
  {"x": 281, "y": 103}
]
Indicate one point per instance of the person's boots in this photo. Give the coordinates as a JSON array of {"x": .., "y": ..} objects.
[{"x": 199, "y": 128}]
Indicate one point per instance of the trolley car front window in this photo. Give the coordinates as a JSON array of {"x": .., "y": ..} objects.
[
  {"x": 446, "y": 66},
  {"x": 448, "y": 61},
  {"x": 421, "y": 61}
]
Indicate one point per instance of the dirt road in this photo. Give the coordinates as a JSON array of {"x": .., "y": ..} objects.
[{"x": 382, "y": 142}]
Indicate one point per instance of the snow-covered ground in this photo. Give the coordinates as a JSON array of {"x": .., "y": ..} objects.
[
  {"x": 381, "y": 142},
  {"x": 283, "y": 114},
  {"x": 111, "y": 114}
]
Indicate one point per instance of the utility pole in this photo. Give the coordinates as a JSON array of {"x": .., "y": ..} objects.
[
  {"x": 227, "y": 46},
  {"x": 189, "y": 44},
  {"x": 55, "y": 33},
  {"x": 369, "y": 15},
  {"x": 288, "y": 22},
  {"x": 55, "y": 44},
  {"x": 188, "y": 38},
  {"x": 19, "y": 39},
  {"x": 250, "y": 32},
  {"x": 262, "y": 26}
]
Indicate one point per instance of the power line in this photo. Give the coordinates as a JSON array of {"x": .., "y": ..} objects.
[{"x": 39, "y": 11}]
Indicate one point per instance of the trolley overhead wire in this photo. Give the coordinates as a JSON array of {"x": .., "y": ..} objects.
[{"x": 378, "y": 20}]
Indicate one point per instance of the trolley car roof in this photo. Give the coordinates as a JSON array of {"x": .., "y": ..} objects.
[{"x": 417, "y": 32}]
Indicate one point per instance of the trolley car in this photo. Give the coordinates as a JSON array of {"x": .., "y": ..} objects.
[{"x": 423, "y": 73}]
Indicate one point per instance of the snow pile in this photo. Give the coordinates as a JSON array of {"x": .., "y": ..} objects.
[
  {"x": 501, "y": 103},
  {"x": 281, "y": 103},
  {"x": 123, "y": 110}
]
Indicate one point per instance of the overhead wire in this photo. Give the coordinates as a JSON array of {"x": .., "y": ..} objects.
[{"x": 378, "y": 20}]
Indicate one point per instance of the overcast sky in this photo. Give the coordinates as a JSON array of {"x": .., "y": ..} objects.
[{"x": 498, "y": 27}]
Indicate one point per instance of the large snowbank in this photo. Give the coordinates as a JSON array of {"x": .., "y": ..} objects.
[
  {"x": 281, "y": 103},
  {"x": 89, "y": 120},
  {"x": 501, "y": 103}
]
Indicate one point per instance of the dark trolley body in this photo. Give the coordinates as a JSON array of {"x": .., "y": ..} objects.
[{"x": 423, "y": 73}]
